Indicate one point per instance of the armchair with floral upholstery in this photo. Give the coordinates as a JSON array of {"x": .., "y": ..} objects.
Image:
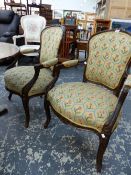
[
  {"x": 95, "y": 104},
  {"x": 30, "y": 81},
  {"x": 32, "y": 26}
]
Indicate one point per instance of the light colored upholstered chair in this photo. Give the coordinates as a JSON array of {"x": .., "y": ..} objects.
[
  {"x": 95, "y": 103},
  {"x": 32, "y": 26},
  {"x": 30, "y": 81}
]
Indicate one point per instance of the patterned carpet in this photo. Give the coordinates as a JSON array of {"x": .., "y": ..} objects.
[{"x": 60, "y": 149}]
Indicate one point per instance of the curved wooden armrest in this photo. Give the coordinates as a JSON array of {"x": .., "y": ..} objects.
[
  {"x": 46, "y": 64},
  {"x": 28, "y": 86},
  {"x": 108, "y": 127},
  {"x": 65, "y": 64},
  {"x": 38, "y": 66}
]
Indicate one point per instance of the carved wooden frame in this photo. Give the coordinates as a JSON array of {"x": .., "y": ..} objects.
[
  {"x": 28, "y": 86},
  {"x": 121, "y": 92}
]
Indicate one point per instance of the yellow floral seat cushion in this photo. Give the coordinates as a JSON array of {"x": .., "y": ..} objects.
[
  {"x": 84, "y": 104},
  {"x": 17, "y": 77}
]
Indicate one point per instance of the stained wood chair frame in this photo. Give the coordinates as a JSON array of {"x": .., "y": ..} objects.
[
  {"x": 121, "y": 92},
  {"x": 25, "y": 90}
]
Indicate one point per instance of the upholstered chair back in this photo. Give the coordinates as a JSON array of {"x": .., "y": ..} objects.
[
  {"x": 109, "y": 54},
  {"x": 32, "y": 26},
  {"x": 50, "y": 45}
]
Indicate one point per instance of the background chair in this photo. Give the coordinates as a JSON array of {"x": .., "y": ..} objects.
[
  {"x": 82, "y": 41},
  {"x": 29, "y": 81},
  {"x": 95, "y": 103},
  {"x": 9, "y": 25},
  {"x": 32, "y": 26},
  {"x": 81, "y": 45}
]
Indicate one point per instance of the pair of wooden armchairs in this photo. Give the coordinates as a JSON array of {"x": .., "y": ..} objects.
[{"x": 94, "y": 104}]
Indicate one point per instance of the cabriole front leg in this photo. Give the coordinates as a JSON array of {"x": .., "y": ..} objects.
[
  {"x": 101, "y": 150},
  {"x": 25, "y": 101},
  {"x": 47, "y": 111}
]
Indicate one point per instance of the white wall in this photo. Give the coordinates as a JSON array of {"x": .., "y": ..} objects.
[{"x": 83, "y": 5}]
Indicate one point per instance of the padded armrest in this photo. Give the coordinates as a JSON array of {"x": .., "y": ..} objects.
[
  {"x": 18, "y": 36},
  {"x": 28, "y": 50},
  {"x": 50, "y": 63},
  {"x": 128, "y": 81},
  {"x": 70, "y": 63},
  {"x": 46, "y": 64}
]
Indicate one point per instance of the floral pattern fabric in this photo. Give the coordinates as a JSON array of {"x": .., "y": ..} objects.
[
  {"x": 17, "y": 77},
  {"x": 84, "y": 104},
  {"x": 50, "y": 41},
  {"x": 109, "y": 53}
]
